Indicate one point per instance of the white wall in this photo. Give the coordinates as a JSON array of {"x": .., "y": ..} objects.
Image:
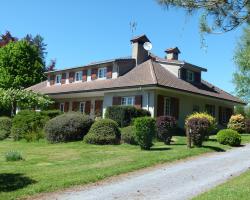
[{"x": 174, "y": 69}]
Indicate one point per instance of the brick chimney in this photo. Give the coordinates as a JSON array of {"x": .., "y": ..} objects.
[
  {"x": 172, "y": 53},
  {"x": 138, "y": 52}
]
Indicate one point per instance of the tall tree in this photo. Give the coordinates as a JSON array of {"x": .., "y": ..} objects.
[
  {"x": 242, "y": 60},
  {"x": 20, "y": 65},
  {"x": 6, "y": 38},
  {"x": 217, "y": 16}
]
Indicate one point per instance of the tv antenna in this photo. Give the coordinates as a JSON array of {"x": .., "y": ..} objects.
[{"x": 133, "y": 26}]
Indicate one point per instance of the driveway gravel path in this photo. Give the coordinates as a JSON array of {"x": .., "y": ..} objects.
[{"x": 180, "y": 180}]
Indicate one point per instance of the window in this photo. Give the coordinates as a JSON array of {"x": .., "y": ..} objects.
[
  {"x": 102, "y": 72},
  {"x": 62, "y": 107},
  {"x": 210, "y": 109},
  {"x": 78, "y": 76},
  {"x": 128, "y": 101},
  {"x": 82, "y": 107},
  {"x": 224, "y": 116},
  {"x": 190, "y": 76},
  {"x": 196, "y": 108},
  {"x": 58, "y": 79},
  {"x": 167, "y": 106}
]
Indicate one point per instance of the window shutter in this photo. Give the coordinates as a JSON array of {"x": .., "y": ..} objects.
[
  {"x": 117, "y": 101},
  {"x": 71, "y": 77},
  {"x": 94, "y": 73},
  {"x": 75, "y": 106},
  {"x": 160, "y": 105},
  {"x": 138, "y": 101},
  {"x": 183, "y": 74},
  {"x": 197, "y": 77},
  {"x": 66, "y": 106},
  {"x": 87, "y": 107},
  {"x": 84, "y": 75},
  {"x": 109, "y": 72},
  {"x": 52, "y": 79},
  {"x": 174, "y": 107},
  {"x": 98, "y": 107},
  {"x": 63, "y": 80}
]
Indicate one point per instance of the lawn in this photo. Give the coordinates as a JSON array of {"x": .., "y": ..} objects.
[
  {"x": 235, "y": 189},
  {"x": 49, "y": 167}
]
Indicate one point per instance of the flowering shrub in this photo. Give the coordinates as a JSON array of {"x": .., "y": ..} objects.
[{"x": 237, "y": 123}]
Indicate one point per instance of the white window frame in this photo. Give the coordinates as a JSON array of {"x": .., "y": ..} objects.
[
  {"x": 190, "y": 76},
  {"x": 59, "y": 75},
  {"x": 79, "y": 73},
  {"x": 104, "y": 73},
  {"x": 167, "y": 104},
  {"x": 62, "y": 107},
  {"x": 82, "y": 107},
  {"x": 125, "y": 101}
]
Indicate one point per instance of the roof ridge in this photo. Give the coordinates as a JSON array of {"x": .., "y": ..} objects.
[{"x": 152, "y": 70}]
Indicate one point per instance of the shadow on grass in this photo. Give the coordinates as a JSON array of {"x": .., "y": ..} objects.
[
  {"x": 160, "y": 148},
  {"x": 211, "y": 140},
  {"x": 11, "y": 182},
  {"x": 218, "y": 149}
]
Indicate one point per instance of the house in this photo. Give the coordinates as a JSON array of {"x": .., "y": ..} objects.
[{"x": 163, "y": 86}]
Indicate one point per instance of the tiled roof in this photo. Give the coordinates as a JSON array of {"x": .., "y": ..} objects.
[{"x": 149, "y": 73}]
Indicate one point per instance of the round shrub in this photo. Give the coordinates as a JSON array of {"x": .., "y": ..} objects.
[
  {"x": 67, "y": 127},
  {"x": 26, "y": 122},
  {"x": 128, "y": 135},
  {"x": 229, "y": 137},
  {"x": 103, "y": 131},
  {"x": 197, "y": 129},
  {"x": 237, "y": 123},
  {"x": 247, "y": 126},
  {"x": 145, "y": 130},
  {"x": 5, "y": 126},
  {"x": 51, "y": 113},
  {"x": 166, "y": 125}
]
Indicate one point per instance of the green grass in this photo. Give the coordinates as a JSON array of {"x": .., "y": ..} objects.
[
  {"x": 50, "y": 167},
  {"x": 235, "y": 189}
]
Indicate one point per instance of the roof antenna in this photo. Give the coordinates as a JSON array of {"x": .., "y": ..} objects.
[{"x": 133, "y": 26}]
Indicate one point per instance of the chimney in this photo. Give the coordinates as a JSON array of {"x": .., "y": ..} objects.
[
  {"x": 138, "y": 51},
  {"x": 172, "y": 53}
]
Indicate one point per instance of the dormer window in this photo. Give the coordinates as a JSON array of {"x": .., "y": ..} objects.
[
  {"x": 190, "y": 76},
  {"x": 78, "y": 76},
  {"x": 102, "y": 72},
  {"x": 58, "y": 79}
]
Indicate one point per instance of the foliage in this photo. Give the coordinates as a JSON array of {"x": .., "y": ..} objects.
[
  {"x": 104, "y": 131},
  {"x": 212, "y": 121},
  {"x": 20, "y": 65},
  {"x": 166, "y": 125},
  {"x": 23, "y": 98},
  {"x": 241, "y": 77},
  {"x": 216, "y": 15},
  {"x": 5, "y": 126},
  {"x": 124, "y": 115},
  {"x": 145, "y": 131},
  {"x": 13, "y": 156},
  {"x": 27, "y": 123},
  {"x": 229, "y": 137},
  {"x": 6, "y": 39},
  {"x": 239, "y": 110},
  {"x": 128, "y": 135},
  {"x": 51, "y": 113},
  {"x": 67, "y": 127},
  {"x": 237, "y": 123},
  {"x": 197, "y": 129},
  {"x": 247, "y": 126}
]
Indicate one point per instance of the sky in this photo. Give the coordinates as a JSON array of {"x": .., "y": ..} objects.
[{"x": 78, "y": 32}]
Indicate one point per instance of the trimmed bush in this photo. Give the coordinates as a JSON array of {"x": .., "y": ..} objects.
[
  {"x": 229, "y": 137},
  {"x": 166, "y": 126},
  {"x": 27, "y": 122},
  {"x": 247, "y": 126},
  {"x": 104, "y": 131},
  {"x": 5, "y": 126},
  {"x": 67, "y": 127},
  {"x": 13, "y": 156},
  {"x": 145, "y": 131},
  {"x": 237, "y": 123},
  {"x": 197, "y": 129},
  {"x": 212, "y": 121},
  {"x": 128, "y": 135},
  {"x": 124, "y": 115},
  {"x": 51, "y": 113}
]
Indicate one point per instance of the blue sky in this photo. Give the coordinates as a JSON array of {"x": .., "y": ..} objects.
[{"x": 79, "y": 31}]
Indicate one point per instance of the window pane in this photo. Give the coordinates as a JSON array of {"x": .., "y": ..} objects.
[
  {"x": 167, "y": 106},
  {"x": 124, "y": 102}
]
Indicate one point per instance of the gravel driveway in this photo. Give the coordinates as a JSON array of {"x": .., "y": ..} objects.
[{"x": 181, "y": 180}]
